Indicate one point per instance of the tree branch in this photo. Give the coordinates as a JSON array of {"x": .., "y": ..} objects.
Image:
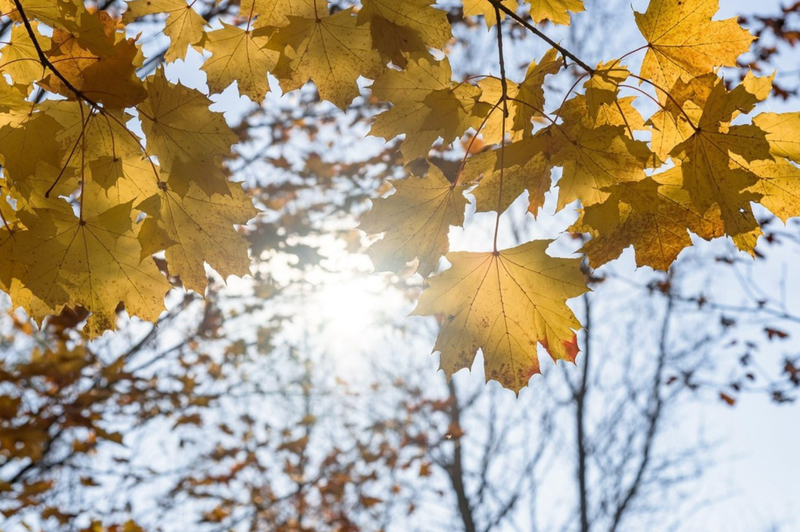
[{"x": 527, "y": 25}]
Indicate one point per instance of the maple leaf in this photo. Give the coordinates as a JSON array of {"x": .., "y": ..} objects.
[
  {"x": 556, "y": 11},
  {"x": 188, "y": 138},
  {"x": 200, "y": 228},
  {"x": 525, "y": 101},
  {"x": 593, "y": 154},
  {"x": 184, "y": 26},
  {"x": 426, "y": 106},
  {"x": 276, "y": 13},
  {"x": 653, "y": 215},
  {"x": 400, "y": 29},
  {"x": 783, "y": 133},
  {"x": 683, "y": 41},
  {"x": 109, "y": 78},
  {"x": 673, "y": 123},
  {"x": 24, "y": 144},
  {"x": 524, "y": 165},
  {"x": 710, "y": 175},
  {"x": 416, "y": 220},
  {"x": 92, "y": 261},
  {"x": 485, "y": 9},
  {"x": 778, "y": 186},
  {"x": 505, "y": 304},
  {"x": 602, "y": 87},
  {"x": 333, "y": 51},
  {"x": 241, "y": 56},
  {"x": 19, "y": 58}
]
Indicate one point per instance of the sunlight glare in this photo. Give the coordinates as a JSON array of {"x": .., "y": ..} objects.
[{"x": 351, "y": 312}]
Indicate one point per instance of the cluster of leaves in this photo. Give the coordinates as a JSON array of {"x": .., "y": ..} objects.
[
  {"x": 90, "y": 201},
  {"x": 87, "y": 201}
]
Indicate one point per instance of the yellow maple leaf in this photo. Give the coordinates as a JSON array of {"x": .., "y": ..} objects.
[
  {"x": 189, "y": 139},
  {"x": 426, "y": 106},
  {"x": 505, "y": 304},
  {"x": 711, "y": 174},
  {"x": 242, "y": 56},
  {"x": 332, "y": 51},
  {"x": 602, "y": 87},
  {"x": 484, "y": 8},
  {"x": 92, "y": 261},
  {"x": 276, "y": 13},
  {"x": 683, "y": 41},
  {"x": 415, "y": 220},
  {"x": 184, "y": 26},
  {"x": 778, "y": 185},
  {"x": 19, "y": 58},
  {"x": 403, "y": 28},
  {"x": 525, "y": 101},
  {"x": 525, "y": 166},
  {"x": 783, "y": 133},
  {"x": 593, "y": 154},
  {"x": 556, "y": 11},
  {"x": 55, "y": 13},
  {"x": 201, "y": 230},
  {"x": 108, "y": 78},
  {"x": 654, "y": 216},
  {"x": 673, "y": 123},
  {"x": 25, "y": 143}
]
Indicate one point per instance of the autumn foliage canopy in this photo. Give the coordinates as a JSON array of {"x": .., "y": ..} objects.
[{"x": 103, "y": 170}]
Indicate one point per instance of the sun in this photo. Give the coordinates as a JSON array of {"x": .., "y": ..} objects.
[{"x": 351, "y": 315}]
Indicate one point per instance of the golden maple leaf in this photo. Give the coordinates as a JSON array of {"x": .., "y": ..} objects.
[
  {"x": 683, "y": 41},
  {"x": 595, "y": 153},
  {"x": 276, "y": 13},
  {"x": 654, "y": 216},
  {"x": 189, "y": 139},
  {"x": 505, "y": 304},
  {"x": 415, "y": 220},
  {"x": 484, "y": 8},
  {"x": 524, "y": 101},
  {"x": 242, "y": 56},
  {"x": 426, "y": 106},
  {"x": 403, "y": 28},
  {"x": 711, "y": 174},
  {"x": 93, "y": 261},
  {"x": 184, "y": 26},
  {"x": 523, "y": 165},
  {"x": 556, "y": 11},
  {"x": 332, "y": 51},
  {"x": 108, "y": 77},
  {"x": 198, "y": 228}
]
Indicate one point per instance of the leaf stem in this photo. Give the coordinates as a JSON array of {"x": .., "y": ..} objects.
[{"x": 504, "y": 100}]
